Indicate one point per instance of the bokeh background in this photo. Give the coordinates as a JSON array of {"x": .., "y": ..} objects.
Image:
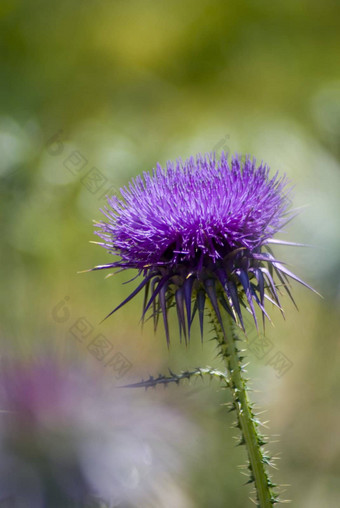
[{"x": 95, "y": 91}]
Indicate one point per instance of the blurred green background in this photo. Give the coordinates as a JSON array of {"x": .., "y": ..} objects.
[{"x": 95, "y": 91}]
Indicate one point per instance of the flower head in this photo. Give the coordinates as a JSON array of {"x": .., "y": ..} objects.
[{"x": 200, "y": 227}]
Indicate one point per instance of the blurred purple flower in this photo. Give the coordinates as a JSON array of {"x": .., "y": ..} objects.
[
  {"x": 67, "y": 440},
  {"x": 202, "y": 227}
]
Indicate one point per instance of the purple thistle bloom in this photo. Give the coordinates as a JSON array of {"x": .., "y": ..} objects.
[{"x": 202, "y": 227}]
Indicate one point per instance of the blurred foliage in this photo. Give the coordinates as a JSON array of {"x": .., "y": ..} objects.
[{"x": 126, "y": 84}]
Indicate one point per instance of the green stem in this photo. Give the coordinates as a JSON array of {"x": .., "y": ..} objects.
[{"x": 227, "y": 337}]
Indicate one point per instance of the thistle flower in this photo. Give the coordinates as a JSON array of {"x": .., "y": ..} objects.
[{"x": 201, "y": 228}]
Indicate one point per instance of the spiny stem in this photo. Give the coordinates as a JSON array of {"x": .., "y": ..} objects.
[
  {"x": 227, "y": 337},
  {"x": 176, "y": 378}
]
